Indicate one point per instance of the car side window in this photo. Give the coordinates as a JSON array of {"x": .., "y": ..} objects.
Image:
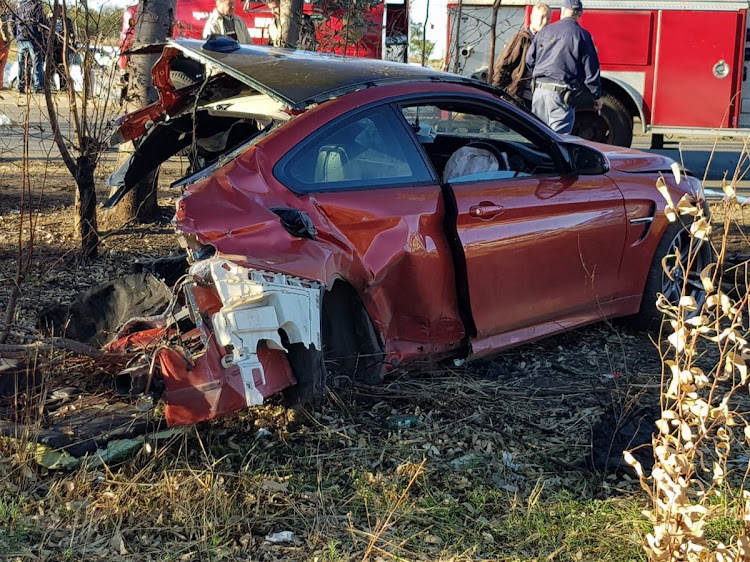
[
  {"x": 370, "y": 149},
  {"x": 470, "y": 142}
]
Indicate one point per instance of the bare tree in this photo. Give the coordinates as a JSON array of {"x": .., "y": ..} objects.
[
  {"x": 457, "y": 45},
  {"x": 80, "y": 116},
  {"x": 154, "y": 25},
  {"x": 493, "y": 39}
]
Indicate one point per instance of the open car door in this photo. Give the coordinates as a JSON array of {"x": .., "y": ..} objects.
[{"x": 542, "y": 249}]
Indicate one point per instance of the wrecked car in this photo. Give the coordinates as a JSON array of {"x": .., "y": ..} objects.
[{"x": 345, "y": 217}]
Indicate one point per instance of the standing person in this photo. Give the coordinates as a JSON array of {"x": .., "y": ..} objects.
[
  {"x": 29, "y": 23},
  {"x": 510, "y": 72},
  {"x": 223, "y": 21},
  {"x": 565, "y": 67},
  {"x": 6, "y": 35},
  {"x": 62, "y": 49}
]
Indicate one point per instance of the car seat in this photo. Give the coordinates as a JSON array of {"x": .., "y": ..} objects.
[{"x": 330, "y": 164}]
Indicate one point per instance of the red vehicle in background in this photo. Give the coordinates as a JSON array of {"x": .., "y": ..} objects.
[
  {"x": 381, "y": 32},
  {"x": 676, "y": 66}
]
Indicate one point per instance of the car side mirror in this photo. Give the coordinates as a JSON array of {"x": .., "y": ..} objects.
[{"x": 586, "y": 161}]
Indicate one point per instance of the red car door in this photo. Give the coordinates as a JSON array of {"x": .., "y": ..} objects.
[
  {"x": 542, "y": 251},
  {"x": 548, "y": 250},
  {"x": 365, "y": 174}
]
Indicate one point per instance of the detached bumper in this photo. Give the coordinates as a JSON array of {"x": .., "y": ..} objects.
[{"x": 236, "y": 355}]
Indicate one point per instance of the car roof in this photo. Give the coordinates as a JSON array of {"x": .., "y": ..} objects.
[{"x": 302, "y": 78}]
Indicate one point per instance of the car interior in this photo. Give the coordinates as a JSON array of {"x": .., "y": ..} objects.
[
  {"x": 359, "y": 151},
  {"x": 465, "y": 145}
]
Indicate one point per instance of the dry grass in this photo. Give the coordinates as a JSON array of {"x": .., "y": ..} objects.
[
  {"x": 497, "y": 469},
  {"x": 468, "y": 486}
]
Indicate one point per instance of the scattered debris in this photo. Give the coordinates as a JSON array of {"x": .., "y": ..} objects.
[
  {"x": 403, "y": 421},
  {"x": 280, "y": 537},
  {"x": 66, "y": 413},
  {"x": 97, "y": 314}
]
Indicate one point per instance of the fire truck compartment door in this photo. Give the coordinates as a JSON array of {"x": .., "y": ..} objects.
[{"x": 698, "y": 69}]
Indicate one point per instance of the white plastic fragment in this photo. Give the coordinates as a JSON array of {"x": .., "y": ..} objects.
[
  {"x": 280, "y": 537},
  {"x": 257, "y": 305},
  {"x": 262, "y": 433}
]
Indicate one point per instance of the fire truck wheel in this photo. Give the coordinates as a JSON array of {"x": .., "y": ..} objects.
[{"x": 613, "y": 125}]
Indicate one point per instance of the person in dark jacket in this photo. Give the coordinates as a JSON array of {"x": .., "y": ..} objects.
[
  {"x": 30, "y": 23},
  {"x": 63, "y": 49},
  {"x": 563, "y": 61},
  {"x": 510, "y": 72}
]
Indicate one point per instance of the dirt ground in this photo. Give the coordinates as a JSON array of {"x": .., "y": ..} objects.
[{"x": 551, "y": 416}]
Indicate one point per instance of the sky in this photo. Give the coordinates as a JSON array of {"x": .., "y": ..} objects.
[{"x": 436, "y": 24}]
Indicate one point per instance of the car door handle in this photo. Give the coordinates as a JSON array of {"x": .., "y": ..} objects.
[{"x": 485, "y": 210}]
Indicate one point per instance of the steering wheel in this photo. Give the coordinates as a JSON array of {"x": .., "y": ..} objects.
[{"x": 502, "y": 159}]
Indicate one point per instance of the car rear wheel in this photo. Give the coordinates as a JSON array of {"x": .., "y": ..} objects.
[
  {"x": 681, "y": 277},
  {"x": 351, "y": 349},
  {"x": 612, "y": 125}
]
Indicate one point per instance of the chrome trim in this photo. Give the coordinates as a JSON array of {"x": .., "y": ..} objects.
[{"x": 642, "y": 220}]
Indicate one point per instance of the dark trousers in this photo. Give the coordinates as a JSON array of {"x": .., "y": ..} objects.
[
  {"x": 60, "y": 62},
  {"x": 29, "y": 56}
]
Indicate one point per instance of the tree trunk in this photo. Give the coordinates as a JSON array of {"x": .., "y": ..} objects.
[
  {"x": 86, "y": 207},
  {"x": 290, "y": 15},
  {"x": 457, "y": 45},
  {"x": 493, "y": 38},
  {"x": 141, "y": 203},
  {"x": 154, "y": 25}
]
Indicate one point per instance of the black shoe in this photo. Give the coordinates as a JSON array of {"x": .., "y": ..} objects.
[
  {"x": 21, "y": 90},
  {"x": 38, "y": 90}
]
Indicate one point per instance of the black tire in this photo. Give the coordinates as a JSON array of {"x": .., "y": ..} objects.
[
  {"x": 184, "y": 72},
  {"x": 351, "y": 346},
  {"x": 351, "y": 349},
  {"x": 613, "y": 125},
  {"x": 657, "y": 281},
  {"x": 181, "y": 79},
  {"x": 310, "y": 371}
]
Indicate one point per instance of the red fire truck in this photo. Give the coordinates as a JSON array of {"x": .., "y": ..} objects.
[
  {"x": 675, "y": 67},
  {"x": 380, "y": 32}
]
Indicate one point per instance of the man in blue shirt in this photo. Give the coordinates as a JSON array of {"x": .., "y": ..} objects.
[
  {"x": 29, "y": 23},
  {"x": 563, "y": 60}
]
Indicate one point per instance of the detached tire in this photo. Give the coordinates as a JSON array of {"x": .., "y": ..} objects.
[
  {"x": 184, "y": 72},
  {"x": 613, "y": 126},
  {"x": 676, "y": 236}
]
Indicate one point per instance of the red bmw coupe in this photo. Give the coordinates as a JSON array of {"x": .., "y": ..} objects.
[{"x": 350, "y": 216}]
